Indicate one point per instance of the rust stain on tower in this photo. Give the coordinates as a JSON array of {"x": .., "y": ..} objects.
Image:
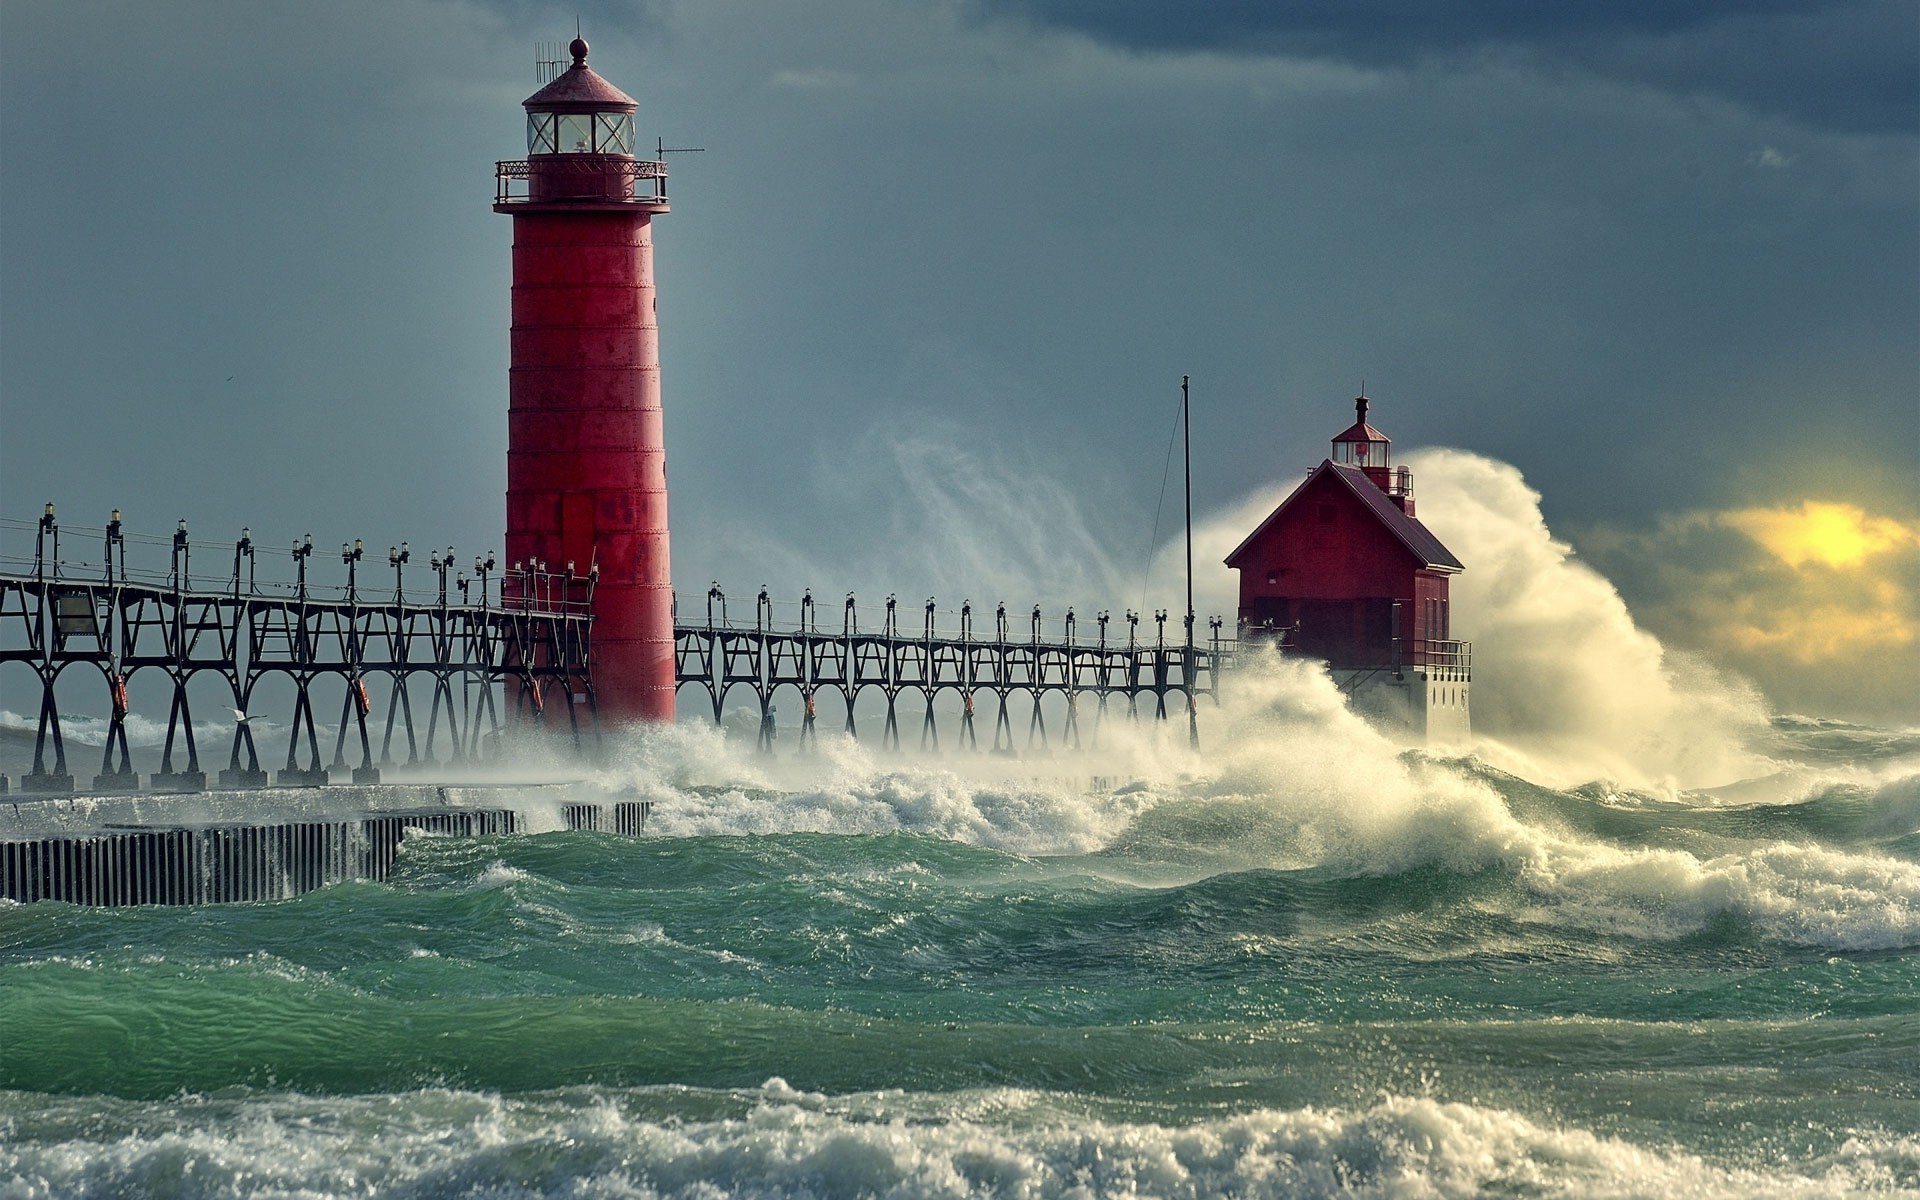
[{"x": 586, "y": 457}]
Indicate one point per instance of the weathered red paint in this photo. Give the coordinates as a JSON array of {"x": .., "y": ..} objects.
[
  {"x": 1344, "y": 564},
  {"x": 586, "y": 455}
]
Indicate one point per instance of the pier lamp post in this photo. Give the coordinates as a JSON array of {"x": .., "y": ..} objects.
[
  {"x": 243, "y": 549},
  {"x": 462, "y": 582},
  {"x": 302, "y": 551},
  {"x": 49, "y": 531},
  {"x": 1133, "y": 625},
  {"x": 182, "y": 557},
  {"x": 115, "y": 538},
  {"x": 441, "y": 566},
  {"x": 1000, "y": 622},
  {"x": 714, "y": 593},
  {"x": 480, "y": 568},
  {"x": 1102, "y": 618},
  {"x": 397, "y": 558},
  {"x": 1160, "y": 619},
  {"x": 350, "y": 555}
]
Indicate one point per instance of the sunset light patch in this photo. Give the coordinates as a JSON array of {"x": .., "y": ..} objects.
[{"x": 1836, "y": 535}]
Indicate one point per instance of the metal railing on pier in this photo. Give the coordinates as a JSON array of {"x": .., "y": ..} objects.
[
  {"x": 524, "y": 632},
  {"x": 1017, "y": 662}
]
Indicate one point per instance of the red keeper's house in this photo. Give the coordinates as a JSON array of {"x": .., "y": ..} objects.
[{"x": 1343, "y": 571}]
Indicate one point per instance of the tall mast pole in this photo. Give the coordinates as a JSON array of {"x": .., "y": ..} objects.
[{"x": 1186, "y": 426}]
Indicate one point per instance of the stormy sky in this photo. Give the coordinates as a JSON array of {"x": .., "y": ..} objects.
[{"x": 927, "y": 294}]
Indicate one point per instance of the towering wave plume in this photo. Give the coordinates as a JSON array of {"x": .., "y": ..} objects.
[
  {"x": 1565, "y": 683},
  {"x": 1567, "y": 687}
]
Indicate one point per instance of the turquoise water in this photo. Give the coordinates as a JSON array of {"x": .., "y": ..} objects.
[{"x": 1304, "y": 965}]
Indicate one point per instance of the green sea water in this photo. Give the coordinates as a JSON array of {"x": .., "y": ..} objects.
[{"x": 1313, "y": 966}]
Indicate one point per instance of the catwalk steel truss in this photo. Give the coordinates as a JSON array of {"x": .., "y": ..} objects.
[
  {"x": 719, "y": 656},
  {"x": 526, "y": 644},
  {"x": 533, "y": 642}
]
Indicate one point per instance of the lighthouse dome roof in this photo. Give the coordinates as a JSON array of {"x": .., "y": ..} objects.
[{"x": 579, "y": 88}]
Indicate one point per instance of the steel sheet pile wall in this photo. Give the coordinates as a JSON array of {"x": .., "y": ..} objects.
[{"x": 237, "y": 863}]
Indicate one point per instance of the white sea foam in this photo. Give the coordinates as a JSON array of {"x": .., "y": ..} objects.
[
  {"x": 704, "y": 785},
  {"x": 1336, "y": 795},
  {"x": 497, "y": 874},
  {"x": 786, "y": 1143},
  {"x": 142, "y": 732},
  {"x": 1290, "y": 778}
]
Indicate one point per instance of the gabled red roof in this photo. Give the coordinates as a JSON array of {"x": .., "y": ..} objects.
[{"x": 1417, "y": 538}]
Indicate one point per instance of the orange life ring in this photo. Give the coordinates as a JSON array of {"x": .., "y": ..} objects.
[
  {"x": 810, "y": 710},
  {"x": 533, "y": 690},
  {"x": 119, "y": 696},
  {"x": 361, "y": 700},
  {"x": 966, "y": 698}
]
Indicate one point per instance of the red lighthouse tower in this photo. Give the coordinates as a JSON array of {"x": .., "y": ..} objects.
[
  {"x": 586, "y": 460},
  {"x": 1344, "y": 571}
]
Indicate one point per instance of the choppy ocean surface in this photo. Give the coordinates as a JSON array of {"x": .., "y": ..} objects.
[{"x": 1305, "y": 963}]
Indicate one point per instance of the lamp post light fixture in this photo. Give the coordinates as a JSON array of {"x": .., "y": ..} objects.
[
  {"x": 302, "y": 551},
  {"x": 480, "y": 568},
  {"x": 441, "y": 566},
  {"x": 49, "y": 532},
  {"x": 115, "y": 539},
  {"x": 397, "y": 558},
  {"x": 243, "y": 549},
  {"x": 182, "y": 557},
  {"x": 350, "y": 555}
]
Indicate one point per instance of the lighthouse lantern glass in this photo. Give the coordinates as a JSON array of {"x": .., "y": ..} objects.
[
  {"x": 576, "y": 133},
  {"x": 579, "y": 133},
  {"x": 1362, "y": 453},
  {"x": 540, "y": 134},
  {"x": 614, "y": 133}
]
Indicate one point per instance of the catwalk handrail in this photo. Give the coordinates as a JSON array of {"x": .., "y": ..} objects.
[
  {"x": 534, "y": 637},
  {"x": 718, "y": 654}
]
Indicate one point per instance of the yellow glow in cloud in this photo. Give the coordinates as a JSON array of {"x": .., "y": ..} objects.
[
  {"x": 1811, "y": 631},
  {"x": 1838, "y": 535}
]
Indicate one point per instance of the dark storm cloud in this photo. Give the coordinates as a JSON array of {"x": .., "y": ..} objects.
[{"x": 1845, "y": 64}]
